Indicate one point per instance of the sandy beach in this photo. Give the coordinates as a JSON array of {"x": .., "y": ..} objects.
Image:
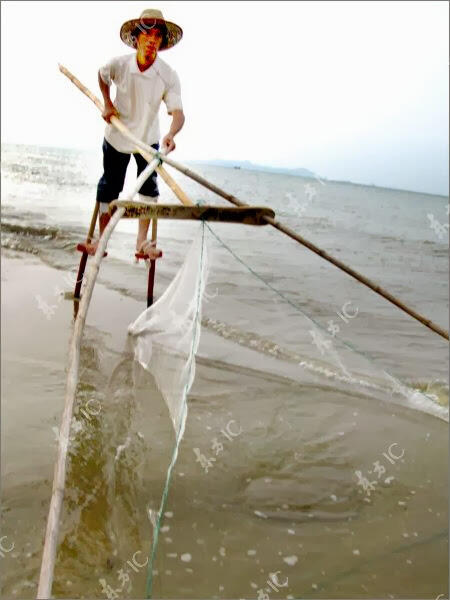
[
  {"x": 315, "y": 445},
  {"x": 275, "y": 426},
  {"x": 280, "y": 498}
]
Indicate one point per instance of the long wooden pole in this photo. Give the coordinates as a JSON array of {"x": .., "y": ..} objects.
[
  {"x": 295, "y": 236},
  {"x": 59, "y": 479},
  {"x": 54, "y": 515},
  {"x": 372, "y": 285},
  {"x": 183, "y": 198},
  {"x": 141, "y": 146},
  {"x": 179, "y": 193}
]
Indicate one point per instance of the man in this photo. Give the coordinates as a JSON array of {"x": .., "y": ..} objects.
[{"x": 142, "y": 80}]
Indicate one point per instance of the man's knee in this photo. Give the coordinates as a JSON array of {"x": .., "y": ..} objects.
[
  {"x": 115, "y": 165},
  {"x": 147, "y": 199},
  {"x": 109, "y": 189},
  {"x": 103, "y": 207}
]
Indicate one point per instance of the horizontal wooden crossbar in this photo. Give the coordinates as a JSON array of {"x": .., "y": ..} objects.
[{"x": 248, "y": 215}]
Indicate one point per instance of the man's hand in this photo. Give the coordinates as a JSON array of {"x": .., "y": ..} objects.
[
  {"x": 109, "y": 111},
  {"x": 168, "y": 143}
]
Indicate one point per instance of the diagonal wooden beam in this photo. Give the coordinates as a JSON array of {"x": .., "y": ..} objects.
[{"x": 281, "y": 227}]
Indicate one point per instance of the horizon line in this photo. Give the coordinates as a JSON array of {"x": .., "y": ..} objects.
[{"x": 200, "y": 160}]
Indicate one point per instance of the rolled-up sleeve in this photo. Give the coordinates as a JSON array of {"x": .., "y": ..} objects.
[
  {"x": 172, "y": 95},
  {"x": 108, "y": 71}
]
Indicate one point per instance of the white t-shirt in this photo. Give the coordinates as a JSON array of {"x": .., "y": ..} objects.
[{"x": 138, "y": 98}]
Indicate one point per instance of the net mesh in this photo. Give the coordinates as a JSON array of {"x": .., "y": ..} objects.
[{"x": 290, "y": 347}]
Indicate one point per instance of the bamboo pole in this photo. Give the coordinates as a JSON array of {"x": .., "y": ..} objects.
[
  {"x": 170, "y": 181},
  {"x": 298, "y": 238},
  {"x": 372, "y": 285},
  {"x": 59, "y": 479},
  {"x": 141, "y": 146},
  {"x": 54, "y": 515}
]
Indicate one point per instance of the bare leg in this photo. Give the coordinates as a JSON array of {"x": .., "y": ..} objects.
[
  {"x": 142, "y": 233},
  {"x": 103, "y": 220},
  {"x": 144, "y": 246}
]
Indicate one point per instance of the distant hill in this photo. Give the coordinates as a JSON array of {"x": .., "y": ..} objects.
[{"x": 249, "y": 166}]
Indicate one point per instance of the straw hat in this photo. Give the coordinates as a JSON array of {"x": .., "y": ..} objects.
[{"x": 148, "y": 19}]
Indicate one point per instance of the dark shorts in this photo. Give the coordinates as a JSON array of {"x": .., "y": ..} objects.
[{"x": 114, "y": 169}]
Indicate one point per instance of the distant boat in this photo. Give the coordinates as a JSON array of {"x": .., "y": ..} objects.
[{"x": 236, "y": 167}]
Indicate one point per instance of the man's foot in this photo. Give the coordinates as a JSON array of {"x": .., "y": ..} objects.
[
  {"x": 147, "y": 250},
  {"x": 90, "y": 248}
]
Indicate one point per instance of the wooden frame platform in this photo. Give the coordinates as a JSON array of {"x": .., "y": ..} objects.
[{"x": 248, "y": 215}]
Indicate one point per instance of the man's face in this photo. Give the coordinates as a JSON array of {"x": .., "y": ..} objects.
[{"x": 148, "y": 41}]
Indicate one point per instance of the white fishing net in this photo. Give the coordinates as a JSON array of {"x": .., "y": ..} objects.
[
  {"x": 168, "y": 332},
  {"x": 276, "y": 393}
]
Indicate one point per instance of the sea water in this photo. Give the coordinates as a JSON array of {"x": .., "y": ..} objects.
[{"x": 290, "y": 481}]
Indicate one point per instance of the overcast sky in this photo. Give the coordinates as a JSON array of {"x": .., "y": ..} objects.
[{"x": 350, "y": 90}]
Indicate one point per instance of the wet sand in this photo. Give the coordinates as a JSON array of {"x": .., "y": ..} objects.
[{"x": 281, "y": 497}]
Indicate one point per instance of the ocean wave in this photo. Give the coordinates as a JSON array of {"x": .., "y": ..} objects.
[{"x": 45, "y": 231}]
